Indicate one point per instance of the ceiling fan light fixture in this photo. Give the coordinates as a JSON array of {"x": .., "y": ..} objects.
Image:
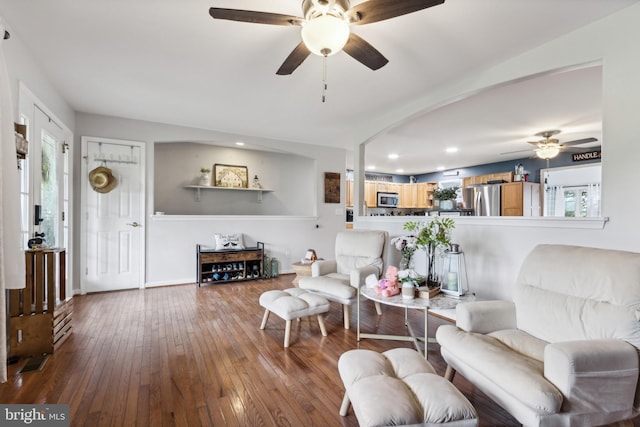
[
  {"x": 325, "y": 35},
  {"x": 548, "y": 152}
]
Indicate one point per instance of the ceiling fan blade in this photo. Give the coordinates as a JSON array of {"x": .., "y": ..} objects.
[
  {"x": 577, "y": 149},
  {"x": 360, "y": 50},
  {"x": 513, "y": 152},
  {"x": 578, "y": 142},
  {"x": 294, "y": 60},
  {"x": 254, "y": 16},
  {"x": 379, "y": 10}
]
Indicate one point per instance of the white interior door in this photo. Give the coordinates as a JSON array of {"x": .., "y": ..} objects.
[{"x": 113, "y": 222}]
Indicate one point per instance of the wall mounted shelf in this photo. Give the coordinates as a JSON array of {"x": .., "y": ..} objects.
[{"x": 197, "y": 188}]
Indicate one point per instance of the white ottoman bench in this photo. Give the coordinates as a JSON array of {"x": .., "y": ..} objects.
[
  {"x": 398, "y": 387},
  {"x": 292, "y": 304}
]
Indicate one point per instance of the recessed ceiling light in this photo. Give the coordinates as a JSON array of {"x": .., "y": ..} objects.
[
  {"x": 399, "y": 170},
  {"x": 239, "y": 143},
  {"x": 371, "y": 167},
  {"x": 441, "y": 168},
  {"x": 452, "y": 150},
  {"x": 393, "y": 156}
]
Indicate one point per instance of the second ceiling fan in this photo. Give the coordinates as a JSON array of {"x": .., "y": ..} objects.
[
  {"x": 326, "y": 27},
  {"x": 548, "y": 147}
]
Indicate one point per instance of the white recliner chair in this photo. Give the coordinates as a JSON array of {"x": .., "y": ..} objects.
[
  {"x": 358, "y": 253},
  {"x": 565, "y": 351}
]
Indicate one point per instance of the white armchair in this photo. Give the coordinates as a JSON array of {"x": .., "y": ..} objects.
[
  {"x": 358, "y": 253},
  {"x": 565, "y": 351}
]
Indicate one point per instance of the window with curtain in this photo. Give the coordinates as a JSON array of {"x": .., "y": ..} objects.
[
  {"x": 572, "y": 192},
  {"x": 572, "y": 201}
]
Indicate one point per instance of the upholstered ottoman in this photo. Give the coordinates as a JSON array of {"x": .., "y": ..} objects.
[
  {"x": 398, "y": 387},
  {"x": 292, "y": 304}
]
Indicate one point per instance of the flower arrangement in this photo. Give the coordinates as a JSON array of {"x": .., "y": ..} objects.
[
  {"x": 407, "y": 245},
  {"x": 409, "y": 277},
  {"x": 433, "y": 236},
  {"x": 205, "y": 170}
]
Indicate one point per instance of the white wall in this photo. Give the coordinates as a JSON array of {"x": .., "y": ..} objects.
[
  {"x": 291, "y": 178},
  {"x": 22, "y": 67},
  {"x": 495, "y": 248},
  {"x": 577, "y": 175},
  {"x": 171, "y": 240}
]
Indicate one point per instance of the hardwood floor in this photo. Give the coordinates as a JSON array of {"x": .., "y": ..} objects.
[{"x": 189, "y": 356}]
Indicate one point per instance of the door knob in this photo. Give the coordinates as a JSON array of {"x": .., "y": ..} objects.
[{"x": 134, "y": 224}]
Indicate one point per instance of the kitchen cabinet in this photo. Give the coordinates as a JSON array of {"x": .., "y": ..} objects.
[
  {"x": 370, "y": 196},
  {"x": 408, "y": 196},
  {"x": 484, "y": 179},
  {"x": 425, "y": 194},
  {"x": 381, "y": 186},
  {"x": 418, "y": 195},
  {"x": 370, "y": 189},
  {"x": 521, "y": 199},
  {"x": 349, "y": 194},
  {"x": 393, "y": 187},
  {"x": 502, "y": 176},
  {"x": 472, "y": 180}
]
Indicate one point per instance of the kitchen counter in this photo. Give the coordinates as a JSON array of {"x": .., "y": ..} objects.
[{"x": 450, "y": 212}]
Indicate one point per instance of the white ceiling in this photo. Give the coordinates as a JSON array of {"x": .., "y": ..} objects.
[
  {"x": 168, "y": 61},
  {"x": 499, "y": 120}
]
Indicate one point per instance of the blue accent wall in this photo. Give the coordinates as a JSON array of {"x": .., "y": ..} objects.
[{"x": 531, "y": 166}]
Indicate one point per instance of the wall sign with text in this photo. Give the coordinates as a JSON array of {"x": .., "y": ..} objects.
[{"x": 589, "y": 155}]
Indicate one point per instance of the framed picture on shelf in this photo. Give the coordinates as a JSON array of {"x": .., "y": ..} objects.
[{"x": 231, "y": 176}]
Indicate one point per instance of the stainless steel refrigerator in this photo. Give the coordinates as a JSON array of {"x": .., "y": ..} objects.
[{"x": 484, "y": 199}]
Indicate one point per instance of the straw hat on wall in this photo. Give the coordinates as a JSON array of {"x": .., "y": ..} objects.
[{"x": 102, "y": 179}]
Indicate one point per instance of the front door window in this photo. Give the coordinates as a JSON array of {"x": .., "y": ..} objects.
[{"x": 49, "y": 191}]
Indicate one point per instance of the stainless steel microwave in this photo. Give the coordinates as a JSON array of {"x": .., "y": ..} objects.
[{"x": 387, "y": 200}]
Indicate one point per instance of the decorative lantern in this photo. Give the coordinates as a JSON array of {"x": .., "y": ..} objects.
[
  {"x": 266, "y": 271},
  {"x": 454, "y": 272},
  {"x": 274, "y": 267}
]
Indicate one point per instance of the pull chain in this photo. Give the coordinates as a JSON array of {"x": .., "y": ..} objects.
[{"x": 325, "y": 53}]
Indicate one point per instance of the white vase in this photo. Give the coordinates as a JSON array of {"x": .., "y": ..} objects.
[
  {"x": 408, "y": 291},
  {"x": 205, "y": 179}
]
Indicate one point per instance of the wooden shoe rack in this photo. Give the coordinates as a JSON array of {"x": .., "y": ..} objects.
[{"x": 228, "y": 266}]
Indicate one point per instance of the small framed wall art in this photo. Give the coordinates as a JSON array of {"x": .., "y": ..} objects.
[
  {"x": 231, "y": 176},
  {"x": 332, "y": 187}
]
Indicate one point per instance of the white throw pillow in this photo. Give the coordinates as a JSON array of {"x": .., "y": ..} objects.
[{"x": 229, "y": 241}]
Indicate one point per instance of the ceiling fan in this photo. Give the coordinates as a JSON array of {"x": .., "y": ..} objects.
[
  {"x": 548, "y": 148},
  {"x": 326, "y": 27}
]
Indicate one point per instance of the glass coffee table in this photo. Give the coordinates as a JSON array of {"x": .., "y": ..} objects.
[{"x": 441, "y": 305}]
